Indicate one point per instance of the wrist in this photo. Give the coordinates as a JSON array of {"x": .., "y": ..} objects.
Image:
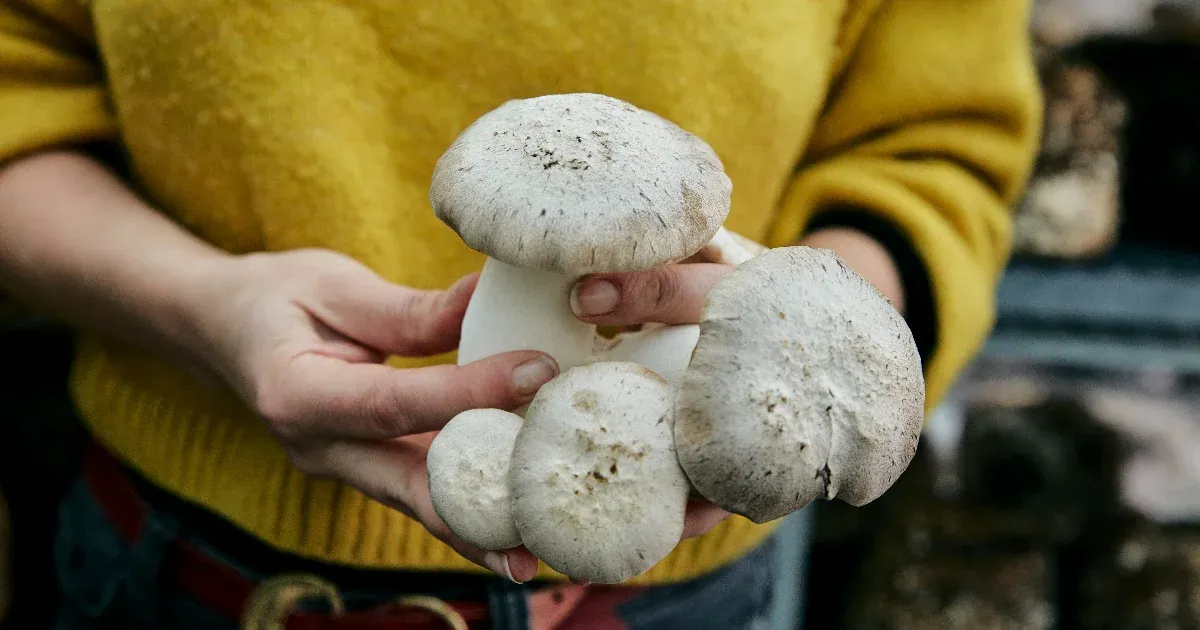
[
  {"x": 78, "y": 244},
  {"x": 866, "y": 256},
  {"x": 182, "y": 303}
]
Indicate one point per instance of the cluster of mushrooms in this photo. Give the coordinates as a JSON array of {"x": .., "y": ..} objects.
[{"x": 801, "y": 382}]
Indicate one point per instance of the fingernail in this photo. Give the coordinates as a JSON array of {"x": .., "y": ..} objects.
[
  {"x": 498, "y": 562},
  {"x": 531, "y": 375},
  {"x": 594, "y": 297}
]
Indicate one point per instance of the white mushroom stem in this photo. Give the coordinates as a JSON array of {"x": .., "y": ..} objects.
[
  {"x": 529, "y": 309},
  {"x": 524, "y": 309},
  {"x": 664, "y": 350},
  {"x": 730, "y": 248}
]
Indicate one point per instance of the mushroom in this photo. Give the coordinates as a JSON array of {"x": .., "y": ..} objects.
[
  {"x": 805, "y": 384},
  {"x": 801, "y": 382},
  {"x": 468, "y": 466},
  {"x": 597, "y": 491},
  {"x": 556, "y": 187}
]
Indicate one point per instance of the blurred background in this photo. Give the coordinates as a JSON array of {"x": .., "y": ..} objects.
[{"x": 1058, "y": 487}]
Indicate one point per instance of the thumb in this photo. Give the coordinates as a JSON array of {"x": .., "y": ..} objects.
[{"x": 393, "y": 318}]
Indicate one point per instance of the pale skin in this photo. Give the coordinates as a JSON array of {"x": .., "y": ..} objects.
[
  {"x": 300, "y": 336},
  {"x": 674, "y": 294}
]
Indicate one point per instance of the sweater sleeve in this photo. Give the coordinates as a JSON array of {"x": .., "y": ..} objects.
[
  {"x": 51, "y": 85},
  {"x": 931, "y": 127},
  {"x": 51, "y": 88}
]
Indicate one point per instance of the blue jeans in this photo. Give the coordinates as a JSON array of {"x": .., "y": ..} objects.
[{"x": 108, "y": 583}]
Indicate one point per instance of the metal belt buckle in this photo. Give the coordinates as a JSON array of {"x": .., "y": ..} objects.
[
  {"x": 439, "y": 608},
  {"x": 276, "y": 598}
]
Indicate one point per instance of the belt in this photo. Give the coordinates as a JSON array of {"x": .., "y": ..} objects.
[{"x": 234, "y": 596}]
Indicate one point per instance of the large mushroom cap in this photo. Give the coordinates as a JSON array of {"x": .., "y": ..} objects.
[
  {"x": 580, "y": 183},
  {"x": 805, "y": 384},
  {"x": 597, "y": 491},
  {"x": 468, "y": 466}
]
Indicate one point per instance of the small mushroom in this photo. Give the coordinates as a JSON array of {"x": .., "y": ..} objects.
[
  {"x": 597, "y": 490},
  {"x": 556, "y": 187},
  {"x": 468, "y": 466},
  {"x": 805, "y": 384}
]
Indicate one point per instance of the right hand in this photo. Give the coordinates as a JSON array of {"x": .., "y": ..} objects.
[{"x": 301, "y": 337}]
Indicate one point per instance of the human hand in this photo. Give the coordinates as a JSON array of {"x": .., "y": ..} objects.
[
  {"x": 671, "y": 294},
  {"x": 301, "y": 337},
  {"x": 675, "y": 294}
]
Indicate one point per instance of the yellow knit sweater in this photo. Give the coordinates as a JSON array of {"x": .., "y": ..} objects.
[{"x": 279, "y": 124}]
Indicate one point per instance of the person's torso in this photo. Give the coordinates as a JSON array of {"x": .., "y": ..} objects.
[
  {"x": 277, "y": 124},
  {"x": 281, "y": 124}
]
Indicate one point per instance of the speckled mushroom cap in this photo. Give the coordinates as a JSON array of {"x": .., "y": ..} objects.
[
  {"x": 597, "y": 491},
  {"x": 805, "y": 384},
  {"x": 580, "y": 183},
  {"x": 468, "y": 465}
]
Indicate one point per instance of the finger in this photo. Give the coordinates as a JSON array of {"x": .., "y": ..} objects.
[
  {"x": 671, "y": 294},
  {"x": 701, "y": 517},
  {"x": 327, "y": 398},
  {"x": 394, "y": 474},
  {"x": 393, "y": 318}
]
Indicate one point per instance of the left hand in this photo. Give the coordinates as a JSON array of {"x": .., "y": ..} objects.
[{"x": 671, "y": 294}]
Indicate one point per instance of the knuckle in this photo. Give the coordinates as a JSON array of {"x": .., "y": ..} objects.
[
  {"x": 286, "y": 433},
  {"x": 484, "y": 394},
  {"x": 409, "y": 305},
  {"x": 283, "y": 417},
  {"x": 382, "y": 407},
  {"x": 395, "y": 495},
  {"x": 409, "y": 310},
  {"x": 662, "y": 287},
  {"x": 308, "y": 464},
  {"x": 471, "y": 390},
  {"x": 317, "y": 258},
  {"x": 275, "y": 409},
  {"x": 467, "y": 386},
  {"x": 334, "y": 285}
]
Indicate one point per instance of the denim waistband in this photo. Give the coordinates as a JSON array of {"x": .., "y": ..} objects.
[{"x": 104, "y": 575}]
